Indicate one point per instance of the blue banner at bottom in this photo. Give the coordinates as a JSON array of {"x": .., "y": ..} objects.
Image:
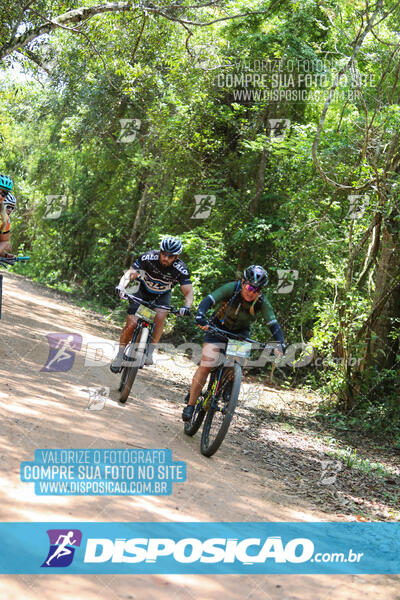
[{"x": 195, "y": 548}]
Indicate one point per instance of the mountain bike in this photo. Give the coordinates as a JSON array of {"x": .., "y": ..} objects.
[
  {"x": 6, "y": 262},
  {"x": 217, "y": 404},
  {"x": 137, "y": 349}
]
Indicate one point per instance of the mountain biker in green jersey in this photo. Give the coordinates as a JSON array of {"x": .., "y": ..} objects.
[{"x": 238, "y": 304}]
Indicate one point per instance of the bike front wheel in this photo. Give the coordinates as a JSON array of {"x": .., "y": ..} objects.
[
  {"x": 136, "y": 354},
  {"x": 219, "y": 417}
]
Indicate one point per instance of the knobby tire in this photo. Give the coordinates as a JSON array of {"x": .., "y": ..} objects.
[
  {"x": 129, "y": 373},
  {"x": 208, "y": 448}
]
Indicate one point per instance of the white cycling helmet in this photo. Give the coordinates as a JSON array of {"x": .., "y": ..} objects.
[{"x": 10, "y": 200}]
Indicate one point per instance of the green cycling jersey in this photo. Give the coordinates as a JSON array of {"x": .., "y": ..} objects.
[{"x": 239, "y": 313}]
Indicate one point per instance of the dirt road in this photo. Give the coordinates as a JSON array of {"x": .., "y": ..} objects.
[{"x": 49, "y": 410}]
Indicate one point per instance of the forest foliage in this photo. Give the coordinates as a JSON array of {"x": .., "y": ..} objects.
[{"x": 281, "y": 118}]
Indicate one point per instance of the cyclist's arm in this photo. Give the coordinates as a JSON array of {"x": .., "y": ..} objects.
[
  {"x": 187, "y": 291},
  {"x": 223, "y": 292},
  {"x": 272, "y": 322},
  {"x": 137, "y": 269},
  {"x": 127, "y": 277}
]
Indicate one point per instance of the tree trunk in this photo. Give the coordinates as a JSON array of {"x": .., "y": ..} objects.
[
  {"x": 254, "y": 204},
  {"x": 137, "y": 222},
  {"x": 382, "y": 349}
]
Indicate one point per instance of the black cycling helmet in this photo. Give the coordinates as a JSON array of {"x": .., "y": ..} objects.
[
  {"x": 6, "y": 182},
  {"x": 256, "y": 275},
  {"x": 171, "y": 245}
]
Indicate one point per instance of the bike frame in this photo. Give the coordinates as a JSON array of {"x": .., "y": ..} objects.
[
  {"x": 141, "y": 322},
  {"x": 215, "y": 382},
  {"x": 130, "y": 365},
  {"x": 224, "y": 377},
  {"x": 217, "y": 372}
]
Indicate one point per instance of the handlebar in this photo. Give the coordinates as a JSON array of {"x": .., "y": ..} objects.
[
  {"x": 229, "y": 335},
  {"x": 6, "y": 262},
  {"x": 151, "y": 304},
  {"x": 126, "y": 296}
]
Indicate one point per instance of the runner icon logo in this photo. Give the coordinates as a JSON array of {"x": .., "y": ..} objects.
[
  {"x": 62, "y": 351},
  {"x": 62, "y": 550},
  {"x": 98, "y": 397}
]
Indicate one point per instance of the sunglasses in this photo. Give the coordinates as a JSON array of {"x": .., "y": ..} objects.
[
  {"x": 10, "y": 207},
  {"x": 3, "y": 193},
  {"x": 167, "y": 254},
  {"x": 252, "y": 288}
]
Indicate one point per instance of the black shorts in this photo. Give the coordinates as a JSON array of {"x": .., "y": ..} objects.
[
  {"x": 161, "y": 299},
  {"x": 212, "y": 338}
]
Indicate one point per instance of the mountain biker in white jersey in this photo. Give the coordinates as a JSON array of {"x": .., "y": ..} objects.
[{"x": 159, "y": 271}]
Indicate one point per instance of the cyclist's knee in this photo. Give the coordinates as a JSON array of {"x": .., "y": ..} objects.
[
  {"x": 161, "y": 315},
  {"x": 131, "y": 322},
  {"x": 208, "y": 360},
  {"x": 204, "y": 370},
  {"x": 200, "y": 376},
  {"x": 209, "y": 354}
]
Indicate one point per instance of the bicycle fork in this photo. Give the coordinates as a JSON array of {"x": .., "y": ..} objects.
[
  {"x": 138, "y": 345},
  {"x": 223, "y": 380},
  {"x": 210, "y": 399}
]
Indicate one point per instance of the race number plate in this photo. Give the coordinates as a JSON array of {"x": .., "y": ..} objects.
[
  {"x": 144, "y": 312},
  {"x": 238, "y": 348}
]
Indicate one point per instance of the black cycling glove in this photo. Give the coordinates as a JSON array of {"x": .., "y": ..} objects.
[{"x": 201, "y": 319}]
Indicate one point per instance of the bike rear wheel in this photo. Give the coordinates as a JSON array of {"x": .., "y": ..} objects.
[
  {"x": 129, "y": 373},
  {"x": 191, "y": 427},
  {"x": 219, "y": 418}
]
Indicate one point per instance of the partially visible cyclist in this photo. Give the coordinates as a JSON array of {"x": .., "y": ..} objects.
[
  {"x": 238, "y": 304},
  {"x": 159, "y": 270},
  {"x": 7, "y": 205}
]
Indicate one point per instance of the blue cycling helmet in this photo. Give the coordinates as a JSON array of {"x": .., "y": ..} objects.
[
  {"x": 256, "y": 275},
  {"x": 6, "y": 182},
  {"x": 171, "y": 245}
]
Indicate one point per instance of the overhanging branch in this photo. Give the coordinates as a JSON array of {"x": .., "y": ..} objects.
[
  {"x": 73, "y": 16},
  {"x": 79, "y": 15}
]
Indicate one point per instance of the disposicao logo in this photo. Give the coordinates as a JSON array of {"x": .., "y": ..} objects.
[
  {"x": 190, "y": 550},
  {"x": 63, "y": 543}
]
